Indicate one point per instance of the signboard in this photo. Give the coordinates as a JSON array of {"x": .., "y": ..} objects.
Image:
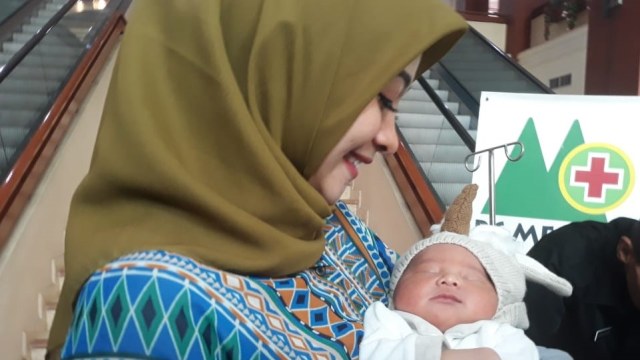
[{"x": 580, "y": 160}]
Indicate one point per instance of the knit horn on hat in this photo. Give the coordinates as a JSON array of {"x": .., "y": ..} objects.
[{"x": 458, "y": 217}]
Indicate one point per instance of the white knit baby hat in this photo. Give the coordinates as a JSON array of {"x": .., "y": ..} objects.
[{"x": 500, "y": 254}]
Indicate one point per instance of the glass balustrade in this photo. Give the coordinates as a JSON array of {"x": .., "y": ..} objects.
[{"x": 29, "y": 90}]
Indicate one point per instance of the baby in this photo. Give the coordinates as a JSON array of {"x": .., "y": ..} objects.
[{"x": 458, "y": 296}]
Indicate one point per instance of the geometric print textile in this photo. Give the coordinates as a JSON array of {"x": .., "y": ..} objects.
[{"x": 161, "y": 305}]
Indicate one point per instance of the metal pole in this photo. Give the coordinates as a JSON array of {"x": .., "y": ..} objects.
[
  {"x": 492, "y": 198},
  {"x": 492, "y": 182}
]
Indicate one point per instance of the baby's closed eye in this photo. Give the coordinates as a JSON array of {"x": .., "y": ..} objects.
[
  {"x": 474, "y": 274},
  {"x": 428, "y": 268},
  {"x": 473, "y": 277}
]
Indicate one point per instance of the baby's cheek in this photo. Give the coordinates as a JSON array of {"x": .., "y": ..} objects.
[{"x": 408, "y": 297}]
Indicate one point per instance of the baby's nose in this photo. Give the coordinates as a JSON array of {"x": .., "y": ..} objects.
[{"x": 449, "y": 279}]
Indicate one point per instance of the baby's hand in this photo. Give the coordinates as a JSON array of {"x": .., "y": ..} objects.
[{"x": 470, "y": 354}]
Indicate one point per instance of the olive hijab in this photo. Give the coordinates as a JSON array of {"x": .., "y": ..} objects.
[{"x": 219, "y": 111}]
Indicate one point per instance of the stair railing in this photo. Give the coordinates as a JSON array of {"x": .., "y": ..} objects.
[
  {"x": 17, "y": 17},
  {"x": 34, "y": 41},
  {"x": 423, "y": 201},
  {"x": 517, "y": 67},
  {"x": 451, "y": 118},
  {"x": 457, "y": 88},
  {"x": 40, "y": 149}
]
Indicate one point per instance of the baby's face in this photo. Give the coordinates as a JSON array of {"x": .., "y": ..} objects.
[{"x": 446, "y": 285}]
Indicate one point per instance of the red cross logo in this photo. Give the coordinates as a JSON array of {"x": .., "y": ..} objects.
[{"x": 597, "y": 177}]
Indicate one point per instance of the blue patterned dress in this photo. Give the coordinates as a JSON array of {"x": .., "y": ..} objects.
[{"x": 160, "y": 305}]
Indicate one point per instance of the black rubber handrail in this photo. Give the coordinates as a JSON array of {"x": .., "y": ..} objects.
[
  {"x": 16, "y": 18},
  {"x": 451, "y": 118},
  {"x": 33, "y": 42},
  {"x": 15, "y": 11},
  {"x": 544, "y": 88},
  {"x": 457, "y": 87}
]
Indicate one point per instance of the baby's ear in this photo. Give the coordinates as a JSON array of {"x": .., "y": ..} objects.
[
  {"x": 624, "y": 250},
  {"x": 538, "y": 273}
]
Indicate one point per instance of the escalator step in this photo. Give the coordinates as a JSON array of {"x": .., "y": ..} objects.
[
  {"x": 446, "y": 172},
  {"x": 39, "y": 60},
  {"x": 434, "y": 83},
  {"x": 422, "y": 107},
  {"x": 428, "y": 121},
  {"x": 448, "y": 191},
  {"x": 37, "y": 73},
  {"x": 43, "y": 47},
  {"x": 12, "y": 137},
  {"x": 12, "y": 85},
  {"x": 445, "y": 136},
  {"x": 439, "y": 153},
  {"x": 421, "y": 95},
  {"x": 53, "y": 37},
  {"x": 5, "y": 155},
  {"x": 11, "y": 101},
  {"x": 18, "y": 117}
]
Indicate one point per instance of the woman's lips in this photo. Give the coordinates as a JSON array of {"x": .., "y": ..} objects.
[
  {"x": 352, "y": 168},
  {"x": 352, "y": 160}
]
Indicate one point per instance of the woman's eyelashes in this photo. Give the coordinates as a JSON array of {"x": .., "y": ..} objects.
[{"x": 386, "y": 103}]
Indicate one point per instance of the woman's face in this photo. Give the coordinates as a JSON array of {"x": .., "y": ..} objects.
[{"x": 373, "y": 131}]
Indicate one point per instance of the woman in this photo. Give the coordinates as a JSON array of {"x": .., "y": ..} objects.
[{"x": 230, "y": 129}]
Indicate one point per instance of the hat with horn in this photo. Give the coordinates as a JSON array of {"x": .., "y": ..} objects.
[{"x": 503, "y": 257}]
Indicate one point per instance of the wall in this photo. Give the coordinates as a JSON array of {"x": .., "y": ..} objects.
[
  {"x": 566, "y": 54},
  {"x": 519, "y": 14},
  {"x": 388, "y": 214},
  {"x": 613, "y": 58},
  {"x": 481, "y": 6},
  {"x": 25, "y": 264},
  {"x": 495, "y": 32},
  {"x": 555, "y": 29}
]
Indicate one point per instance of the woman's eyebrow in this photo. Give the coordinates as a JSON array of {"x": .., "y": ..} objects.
[{"x": 406, "y": 78}]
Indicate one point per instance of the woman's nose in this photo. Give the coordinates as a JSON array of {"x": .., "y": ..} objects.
[{"x": 386, "y": 140}]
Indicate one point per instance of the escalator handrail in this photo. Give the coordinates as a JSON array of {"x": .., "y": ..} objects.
[
  {"x": 451, "y": 118},
  {"x": 422, "y": 200},
  {"x": 457, "y": 87},
  {"x": 502, "y": 55},
  {"x": 16, "y": 11},
  {"x": 32, "y": 163},
  {"x": 34, "y": 41}
]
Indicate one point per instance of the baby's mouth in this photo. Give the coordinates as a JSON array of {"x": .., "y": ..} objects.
[{"x": 448, "y": 298}]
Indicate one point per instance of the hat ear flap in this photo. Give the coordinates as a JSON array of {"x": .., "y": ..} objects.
[{"x": 538, "y": 273}]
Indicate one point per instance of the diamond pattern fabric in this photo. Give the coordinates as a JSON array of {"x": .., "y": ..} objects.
[{"x": 161, "y": 305}]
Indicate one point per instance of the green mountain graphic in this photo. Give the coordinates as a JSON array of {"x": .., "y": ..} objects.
[{"x": 526, "y": 189}]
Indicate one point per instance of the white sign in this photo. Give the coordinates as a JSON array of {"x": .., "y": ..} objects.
[{"x": 579, "y": 162}]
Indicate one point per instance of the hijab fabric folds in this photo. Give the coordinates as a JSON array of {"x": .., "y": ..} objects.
[{"x": 218, "y": 112}]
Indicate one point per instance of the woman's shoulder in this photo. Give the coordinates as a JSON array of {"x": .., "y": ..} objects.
[
  {"x": 353, "y": 244},
  {"x": 352, "y": 230}
]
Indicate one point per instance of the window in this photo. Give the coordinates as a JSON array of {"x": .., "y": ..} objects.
[
  {"x": 560, "y": 81},
  {"x": 494, "y": 6}
]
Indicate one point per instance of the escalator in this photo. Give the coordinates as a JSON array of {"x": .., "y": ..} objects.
[
  {"x": 438, "y": 116},
  {"x": 38, "y": 55},
  {"x": 50, "y": 53}
]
